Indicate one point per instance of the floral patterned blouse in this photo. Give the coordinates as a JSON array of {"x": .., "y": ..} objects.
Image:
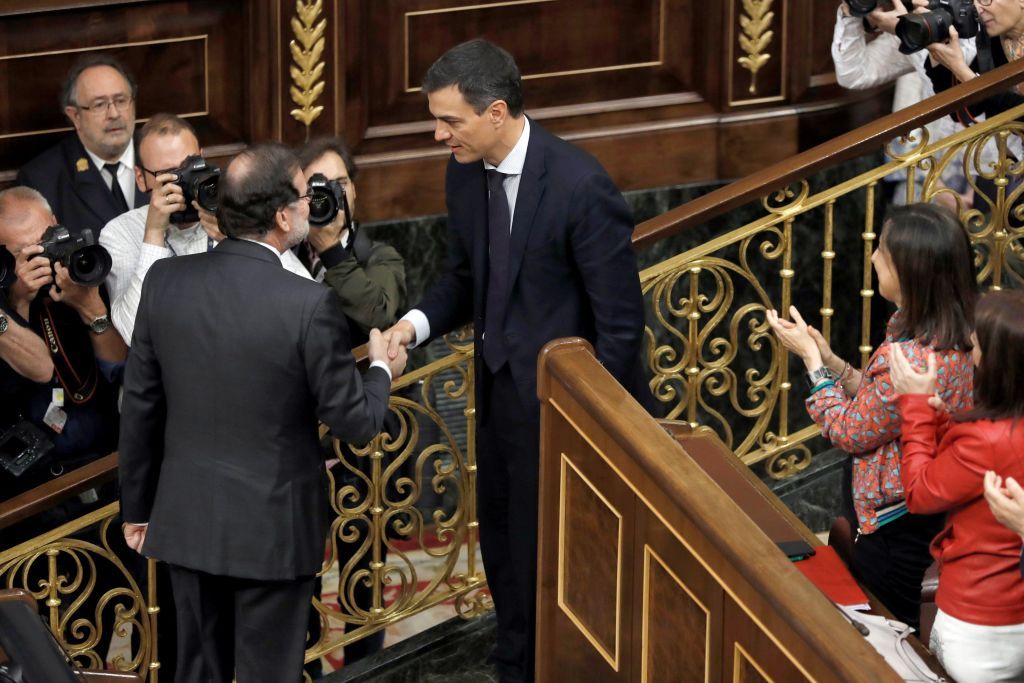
[{"x": 867, "y": 425}]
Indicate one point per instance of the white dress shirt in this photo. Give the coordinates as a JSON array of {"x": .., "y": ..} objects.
[
  {"x": 512, "y": 167},
  {"x": 125, "y": 173}
]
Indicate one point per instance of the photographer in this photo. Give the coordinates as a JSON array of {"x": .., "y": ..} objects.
[
  {"x": 1000, "y": 41},
  {"x": 367, "y": 276},
  {"x": 167, "y": 226},
  {"x": 75, "y": 410}
]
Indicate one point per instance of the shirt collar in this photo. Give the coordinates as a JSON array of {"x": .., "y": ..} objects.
[
  {"x": 265, "y": 246},
  {"x": 127, "y": 159},
  {"x": 516, "y": 159}
]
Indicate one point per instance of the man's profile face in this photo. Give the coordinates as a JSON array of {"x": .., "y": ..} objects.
[
  {"x": 107, "y": 121},
  {"x": 333, "y": 167},
  {"x": 163, "y": 153},
  {"x": 298, "y": 212},
  {"x": 28, "y": 221},
  {"x": 469, "y": 135}
]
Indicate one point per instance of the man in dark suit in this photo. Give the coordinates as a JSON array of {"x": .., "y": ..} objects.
[
  {"x": 87, "y": 178},
  {"x": 538, "y": 248},
  {"x": 233, "y": 361}
]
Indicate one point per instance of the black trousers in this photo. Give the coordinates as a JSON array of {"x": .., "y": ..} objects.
[
  {"x": 891, "y": 563},
  {"x": 229, "y": 627},
  {"x": 508, "y": 443}
]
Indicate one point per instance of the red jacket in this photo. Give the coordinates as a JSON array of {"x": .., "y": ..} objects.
[{"x": 944, "y": 463}]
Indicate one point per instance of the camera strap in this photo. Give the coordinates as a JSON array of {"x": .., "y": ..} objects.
[{"x": 73, "y": 363}]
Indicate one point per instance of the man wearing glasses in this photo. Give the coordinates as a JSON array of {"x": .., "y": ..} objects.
[
  {"x": 87, "y": 177},
  {"x": 139, "y": 238}
]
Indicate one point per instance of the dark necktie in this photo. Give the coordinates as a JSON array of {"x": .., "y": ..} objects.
[
  {"x": 499, "y": 222},
  {"x": 115, "y": 187}
]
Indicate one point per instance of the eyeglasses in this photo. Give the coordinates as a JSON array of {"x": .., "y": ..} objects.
[
  {"x": 99, "y": 107},
  {"x": 156, "y": 173}
]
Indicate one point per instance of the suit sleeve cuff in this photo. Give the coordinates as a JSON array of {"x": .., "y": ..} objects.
[
  {"x": 381, "y": 364},
  {"x": 420, "y": 324}
]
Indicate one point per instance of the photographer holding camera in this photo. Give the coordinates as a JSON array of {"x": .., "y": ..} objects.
[
  {"x": 175, "y": 222},
  {"x": 367, "y": 276},
  {"x": 70, "y": 419}
]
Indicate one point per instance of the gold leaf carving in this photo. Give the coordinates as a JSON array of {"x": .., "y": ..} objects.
[
  {"x": 307, "y": 51},
  {"x": 756, "y": 37}
]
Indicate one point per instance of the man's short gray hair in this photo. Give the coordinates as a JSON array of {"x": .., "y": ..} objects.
[{"x": 19, "y": 193}]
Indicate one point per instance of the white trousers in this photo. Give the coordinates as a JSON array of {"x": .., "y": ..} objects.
[{"x": 972, "y": 653}]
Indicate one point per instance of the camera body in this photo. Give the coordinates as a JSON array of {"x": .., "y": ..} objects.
[
  {"x": 22, "y": 446},
  {"x": 7, "y": 276},
  {"x": 862, "y": 8},
  {"x": 87, "y": 262},
  {"x": 327, "y": 199},
  {"x": 918, "y": 31},
  {"x": 198, "y": 181}
]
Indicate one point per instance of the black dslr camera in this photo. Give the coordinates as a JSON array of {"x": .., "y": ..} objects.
[
  {"x": 22, "y": 446},
  {"x": 862, "y": 8},
  {"x": 327, "y": 198},
  {"x": 198, "y": 181},
  {"x": 87, "y": 262},
  {"x": 7, "y": 276},
  {"x": 918, "y": 31}
]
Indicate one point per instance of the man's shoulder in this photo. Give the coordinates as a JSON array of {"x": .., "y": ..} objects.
[
  {"x": 127, "y": 227},
  {"x": 53, "y": 160}
]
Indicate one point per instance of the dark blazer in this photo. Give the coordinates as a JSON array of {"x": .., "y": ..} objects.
[
  {"x": 573, "y": 271},
  {"x": 232, "y": 362},
  {"x": 80, "y": 199}
]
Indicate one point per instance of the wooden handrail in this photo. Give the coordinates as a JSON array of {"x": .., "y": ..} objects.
[
  {"x": 53, "y": 492},
  {"x": 857, "y": 142}
]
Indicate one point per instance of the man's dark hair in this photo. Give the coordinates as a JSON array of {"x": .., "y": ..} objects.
[
  {"x": 258, "y": 182},
  {"x": 165, "y": 124},
  {"x": 998, "y": 391},
  {"x": 87, "y": 61},
  {"x": 482, "y": 72},
  {"x": 316, "y": 148},
  {"x": 931, "y": 254}
]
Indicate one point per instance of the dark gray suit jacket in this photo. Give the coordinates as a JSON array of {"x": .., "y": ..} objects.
[
  {"x": 572, "y": 268},
  {"x": 232, "y": 362}
]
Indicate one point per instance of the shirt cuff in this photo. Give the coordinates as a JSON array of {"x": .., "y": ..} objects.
[
  {"x": 420, "y": 324},
  {"x": 382, "y": 364},
  {"x": 138, "y": 523}
]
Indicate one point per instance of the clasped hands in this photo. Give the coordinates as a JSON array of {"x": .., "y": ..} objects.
[{"x": 391, "y": 346}]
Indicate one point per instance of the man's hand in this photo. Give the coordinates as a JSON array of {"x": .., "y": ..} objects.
[
  {"x": 377, "y": 349},
  {"x": 886, "y": 20},
  {"x": 135, "y": 536},
  {"x": 1006, "y": 504},
  {"x": 322, "y": 239},
  {"x": 906, "y": 380},
  {"x": 33, "y": 272},
  {"x": 950, "y": 55},
  {"x": 209, "y": 223},
  {"x": 85, "y": 300},
  {"x": 398, "y": 338},
  {"x": 165, "y": 199}
]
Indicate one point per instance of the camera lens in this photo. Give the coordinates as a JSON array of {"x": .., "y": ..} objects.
[
  {"x": 7, "y": 276},
  {"x": 206, "y": 193},
  {"x": 89, "y": 265},
  {"x": 860, "y": 8},
  {"x": 918, "y": 31}
]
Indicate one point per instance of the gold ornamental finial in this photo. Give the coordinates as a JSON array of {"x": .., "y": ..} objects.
[{"x": 307, "y": 50}]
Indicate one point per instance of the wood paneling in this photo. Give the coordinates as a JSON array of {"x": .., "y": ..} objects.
[{"x": 648, "y": 86}]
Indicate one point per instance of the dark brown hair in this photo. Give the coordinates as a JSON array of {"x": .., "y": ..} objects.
[
  {"x": 316, "y": 148},
  {"x": 998, "y": 385},
  {"x": 931, "y": 254}
]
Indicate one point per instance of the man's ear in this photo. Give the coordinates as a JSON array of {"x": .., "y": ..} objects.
[
  {"x": 497, "y": 111},
  {"x": 72, "y": 114},
  {"x": 140, "y": 179}
]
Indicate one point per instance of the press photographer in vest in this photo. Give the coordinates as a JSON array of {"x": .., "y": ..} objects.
[{"x": 70, "y": 419}]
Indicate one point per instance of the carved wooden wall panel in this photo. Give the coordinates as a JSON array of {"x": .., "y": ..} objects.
[{"x": 656, "y": 89}]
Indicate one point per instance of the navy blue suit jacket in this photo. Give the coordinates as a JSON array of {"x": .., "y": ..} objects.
[
  {"x": 573, "y": 271},
  {"x": 80, "y": 199}
]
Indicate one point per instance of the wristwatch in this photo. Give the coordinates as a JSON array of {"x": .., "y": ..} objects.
[
  {"x": 100, "y": 324},
  {"x": 3, "y": 323},
  {"x": 815, "y": 377}
]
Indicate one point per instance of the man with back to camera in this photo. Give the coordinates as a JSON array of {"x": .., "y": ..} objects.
[
  {"x": 139, "y": 238},
  {"x": 77, "y": 175},
  {"x": 368, "y": 276},
  {"x": 538, "y": 248},
  {"x": 234, "y": 360}
]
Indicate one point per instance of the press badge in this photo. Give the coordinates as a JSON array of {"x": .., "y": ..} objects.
[
  {"x": 58, "y": 397},
  {"x": 55, "y": 418}
]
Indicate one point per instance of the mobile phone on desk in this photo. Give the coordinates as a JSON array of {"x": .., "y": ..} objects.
[{"x": 796, "y": 550}]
